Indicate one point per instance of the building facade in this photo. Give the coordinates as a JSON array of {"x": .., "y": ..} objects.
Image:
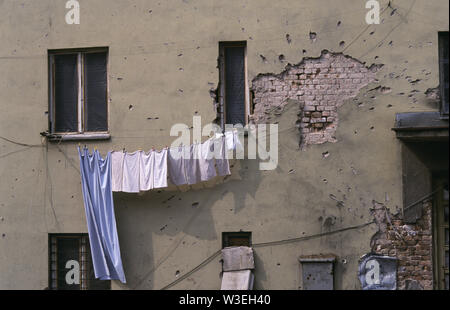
[{"x": 362, "y": 115}]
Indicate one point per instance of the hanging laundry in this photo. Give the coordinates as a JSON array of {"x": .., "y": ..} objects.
[
  {"x": 206, "y": 161},
  {"x": 221, "y": 155},
  {"x": 175, "y": 165},
  {"x": 160, "y": 169},
  {"x": 232, "y": 140},
  {"x": 146, "y": 164},
  {"x": 117, "y": 170},
  {"x": 229, "y": 138},
  {"x": 130, "y": 180},
  {"x": 99, "y": 207},
  {"x": 191, "y": 164}
]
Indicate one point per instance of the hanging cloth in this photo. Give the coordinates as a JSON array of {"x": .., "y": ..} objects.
[
  {"x": 146, "y": 163},
  {"x": 191, "y": 164},
  {"x": 117, "y": 170},
  {"x": 221, "y": 155},
  {"x": 175, "y": 164},
  {"x": 99, "y": 207},
  {"x": 206, "y": 161},
  {"x": 131, "y": 165},
  {"x": 160, "y": 169}
]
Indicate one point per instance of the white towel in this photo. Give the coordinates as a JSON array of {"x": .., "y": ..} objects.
[
  {"x": 220, "y": 152},
  {"x": 160, "y": 169},
  {"x": 131, "y": 163},
  {"x": 229, "y": 138},
  {"x": 116, "y": 170},
  {"x": 206, "y": 161},
  {"x": 175, "y": 163},
  {"x": 191, "y": 164},
  {"x": 146, "y": 170}
]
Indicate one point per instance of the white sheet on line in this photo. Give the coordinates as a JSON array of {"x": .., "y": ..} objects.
[
  {"x": 130, "y": 181},
  {"x": 117, "y": 170},
  {"x": 206, "y": 161}
]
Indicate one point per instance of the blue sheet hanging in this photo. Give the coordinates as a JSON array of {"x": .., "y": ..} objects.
[{"x": 99, "y": 206}]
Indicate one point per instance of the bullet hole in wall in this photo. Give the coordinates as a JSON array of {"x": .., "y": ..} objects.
[{"x": 288, "y": 38}]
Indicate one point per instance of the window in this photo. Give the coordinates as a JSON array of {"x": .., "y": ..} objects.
[
  {"x": 70, "y": 266},
  {"x": 233, "y": 92},
  {"x": 78, "y": 91},
  {"x": 443, "y": 72},
  {"x": 440, "y": 209},
  {"x": 240, "y": 238}
]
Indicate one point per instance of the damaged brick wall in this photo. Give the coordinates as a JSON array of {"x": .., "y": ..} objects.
[
  {"x": 410, "y": 244},
  {"x": 320, "y": 85}
]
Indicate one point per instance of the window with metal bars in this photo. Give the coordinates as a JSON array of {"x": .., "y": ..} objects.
[
  {"x": 240, "y": 238},
  {"x": 78, "y": 91},
  {"x": 70, "y": 264}
]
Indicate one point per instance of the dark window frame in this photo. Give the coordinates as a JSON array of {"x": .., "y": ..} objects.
[
  {"x": 223, "y": 45},
  {"x": 81, "y": 132},
  {"x": 444, "y": 100},
  {"x": 88, "y": 260},
  {"x": 226, "y": 236}
]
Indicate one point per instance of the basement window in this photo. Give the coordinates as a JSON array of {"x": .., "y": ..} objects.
[
  {"x": 443, "y": 72},
  {"x": 233, "y": 91},
  {"x": 78, "y": 92},
  {"x": 70, "y": 264},
  {"x": 241, "y": 238}
]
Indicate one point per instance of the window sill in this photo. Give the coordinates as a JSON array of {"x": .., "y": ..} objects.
[{"x": 54, "y": 137}]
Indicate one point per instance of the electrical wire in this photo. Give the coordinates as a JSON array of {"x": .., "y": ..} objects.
[{"x": 271, "y": 243}]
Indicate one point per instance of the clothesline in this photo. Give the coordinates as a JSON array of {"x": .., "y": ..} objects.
[
  {"x": 142, "y": 171},
  {"x": 218, "y": 135}
]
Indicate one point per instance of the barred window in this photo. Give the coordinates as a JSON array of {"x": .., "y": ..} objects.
[
  {"x": 70, "y": 264},
  {"x": 240, "y": 238}
]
